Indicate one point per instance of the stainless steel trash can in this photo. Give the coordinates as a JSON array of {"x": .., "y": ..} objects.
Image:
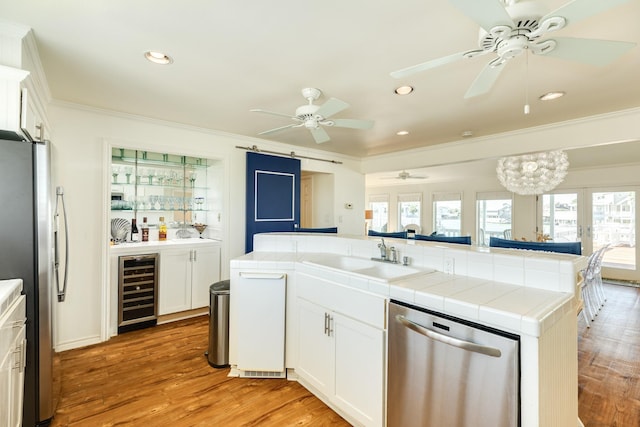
[{"x": 218, "y": 352}]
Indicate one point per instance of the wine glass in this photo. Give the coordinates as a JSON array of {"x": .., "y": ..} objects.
[
  {"x": 128, "y": 170},
  {"x": 200, "y": 228},
  {"x": 115, "y": 170}
]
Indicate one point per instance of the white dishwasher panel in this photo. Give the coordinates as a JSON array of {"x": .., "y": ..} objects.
[{"x": 260, "y": 319}]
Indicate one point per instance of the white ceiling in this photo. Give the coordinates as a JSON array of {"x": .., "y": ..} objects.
[{"x": 232, "y": 56}]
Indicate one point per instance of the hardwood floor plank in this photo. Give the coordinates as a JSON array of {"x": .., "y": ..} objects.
[{"x": 160, "y": 377}]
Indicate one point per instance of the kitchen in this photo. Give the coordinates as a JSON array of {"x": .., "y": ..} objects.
[{"x": 84, "y": 138}]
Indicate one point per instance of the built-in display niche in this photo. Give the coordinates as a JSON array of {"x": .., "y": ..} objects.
[{"x": 184, "y": 190}]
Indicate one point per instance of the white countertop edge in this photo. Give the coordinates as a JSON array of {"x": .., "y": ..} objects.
[{"x": 157, "y": 244}]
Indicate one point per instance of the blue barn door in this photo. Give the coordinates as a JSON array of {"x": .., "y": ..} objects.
[{"x": 273, "y": 195}]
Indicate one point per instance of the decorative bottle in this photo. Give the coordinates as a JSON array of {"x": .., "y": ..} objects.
[
  {"x": 135, "y": 235},
  {"x": 162, "y": 230},
  {"x": 145, "y": 230}
]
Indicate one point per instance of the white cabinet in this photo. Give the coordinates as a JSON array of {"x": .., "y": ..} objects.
[
  {"x": 341, "y": 347},
  {"x": 185, "y": 277},
  {"x": 12, "y": 364},
  {"x": 205, "y": 271}
]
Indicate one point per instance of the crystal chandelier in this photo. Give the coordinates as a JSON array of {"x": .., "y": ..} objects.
[{"x": 532, "y": 173}]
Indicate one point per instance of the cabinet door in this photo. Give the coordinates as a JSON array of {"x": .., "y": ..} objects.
[
  {"x": 6, "y": 360},
  {"x": 205, "y": 272},
  {"x": 175, "y": 281},
  {"x": 315, "y": 347},
  {"x": 359, "y": 370},
  {"x": 17, "y": 379}
]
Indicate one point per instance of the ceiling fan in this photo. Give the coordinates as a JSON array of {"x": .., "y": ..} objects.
[
  {"x": 404, "y": 175},
  {"x": 509, "y": 28},
  {"x": 314, "y": 117}
]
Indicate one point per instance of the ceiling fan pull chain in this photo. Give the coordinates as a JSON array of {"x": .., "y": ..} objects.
[{"x": 526, "y": 82}]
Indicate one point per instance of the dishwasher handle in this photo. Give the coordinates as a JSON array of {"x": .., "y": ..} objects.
[{"x": 465, "y": 345}]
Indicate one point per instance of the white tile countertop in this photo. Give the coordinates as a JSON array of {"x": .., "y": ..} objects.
[
  {"x": 9, "y": 290},
  {"x": 506, "y": 306}
]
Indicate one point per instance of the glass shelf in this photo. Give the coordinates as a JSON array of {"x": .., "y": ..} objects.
[
  {"x": 159, "y": 185},
  {"x": 124, "y": 156},
  {"x": 160, "y": 210}
]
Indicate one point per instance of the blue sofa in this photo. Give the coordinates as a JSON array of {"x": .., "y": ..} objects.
[
  {"x": 397, "y": 234},
  {"x": 316, "y": 230},
  {"x": 463, "y": 240},
  {"x": 574, "y": 248}
]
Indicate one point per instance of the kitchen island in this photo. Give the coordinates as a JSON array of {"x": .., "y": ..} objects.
[{"x": 530, "y": 294}]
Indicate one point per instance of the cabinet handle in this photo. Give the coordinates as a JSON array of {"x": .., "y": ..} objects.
[
  {"x": 326, "y": 324},
  {"x": 195, "y": 255},
  {"x": 330, "y": 325},
  {"x": 40, "y": 128}
]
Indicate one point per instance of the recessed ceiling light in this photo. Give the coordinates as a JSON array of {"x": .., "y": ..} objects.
[
  {"x": 158, "y": 57},
  {"x": 467, "y": 133},
  {"x": 551, "y": 95},
  {"x": 404, "y": 90},
  {"x": 402, "y": 132}
]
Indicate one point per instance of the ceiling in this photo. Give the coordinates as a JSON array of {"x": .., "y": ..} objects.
[{"x": 233, "y": 56}]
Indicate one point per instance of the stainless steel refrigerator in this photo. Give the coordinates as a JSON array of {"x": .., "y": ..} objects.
[{"x": 27, "y": 252}]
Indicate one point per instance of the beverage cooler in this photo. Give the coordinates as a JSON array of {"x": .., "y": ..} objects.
[{"x": 137, "y": 292}]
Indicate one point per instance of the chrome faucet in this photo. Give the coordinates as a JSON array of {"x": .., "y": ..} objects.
[{"x": 383, "y": 249}]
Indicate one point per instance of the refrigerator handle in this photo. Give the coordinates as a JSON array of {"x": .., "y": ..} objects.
[{"x": 61, "y": 292}]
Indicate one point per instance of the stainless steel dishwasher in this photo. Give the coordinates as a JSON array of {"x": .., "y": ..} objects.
[{"x": 447, "y": 372}]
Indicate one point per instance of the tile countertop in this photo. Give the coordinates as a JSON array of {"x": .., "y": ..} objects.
[
  {"x": 505, "y": 306},
  {"x": 157, "y": 244},
  {"x": 9, "y": 291}
]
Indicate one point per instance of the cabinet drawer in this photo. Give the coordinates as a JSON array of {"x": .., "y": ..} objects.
[
  {"x": 355, "y": 303},
  {"x": 12, "y": 322}
]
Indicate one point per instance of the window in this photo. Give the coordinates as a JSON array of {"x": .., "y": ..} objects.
[
  {"x": 493, "y": 216},
  {"x": 447, "y": 214},
  {"x": 409, "y": 210},
  {"x": 379, "y": 204}
]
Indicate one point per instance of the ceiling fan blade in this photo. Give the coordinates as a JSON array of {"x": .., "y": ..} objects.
[
  {"x": 578, "y": 10},
  {"x": 331, "y": 107},
  {"x": 427, "y": 65},
  {"x": 353, "y": 123},
  {"x": 259, "y": 110},
  {"x": 320, "y": 135},
  {"x": 485, "y": 80},
  {"x": 589, "y": 51},
  {"x": 281, "y": 128},
  {"x": 486, "y": 13}
]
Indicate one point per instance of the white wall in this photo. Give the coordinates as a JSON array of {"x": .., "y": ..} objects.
[{"x": 81, "y": 160}]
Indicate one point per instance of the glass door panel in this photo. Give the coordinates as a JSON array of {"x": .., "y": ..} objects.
[
  {"x": 561, "y": 216},
  {"x": 613, "y": 222}
]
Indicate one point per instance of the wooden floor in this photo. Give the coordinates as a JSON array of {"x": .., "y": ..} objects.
[
  {"x": 160, "y": 377},
  {"x": 609, "y": 362}
]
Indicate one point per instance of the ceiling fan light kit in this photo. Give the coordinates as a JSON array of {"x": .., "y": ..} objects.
[
  {"x": 313, "y": 117},
  {"x": 510, "y": 28}
]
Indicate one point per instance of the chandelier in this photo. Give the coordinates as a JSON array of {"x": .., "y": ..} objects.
[{"x": 532, "y": 173}]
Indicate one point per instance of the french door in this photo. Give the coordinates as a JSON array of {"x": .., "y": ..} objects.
[{"x": 596, "y": 217}]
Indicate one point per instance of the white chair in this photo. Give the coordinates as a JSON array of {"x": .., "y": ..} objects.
[
  {"x": 507, "y": 234},
  {"x": 592, "y": 291},
  {"x": 414, "y": 227}
]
